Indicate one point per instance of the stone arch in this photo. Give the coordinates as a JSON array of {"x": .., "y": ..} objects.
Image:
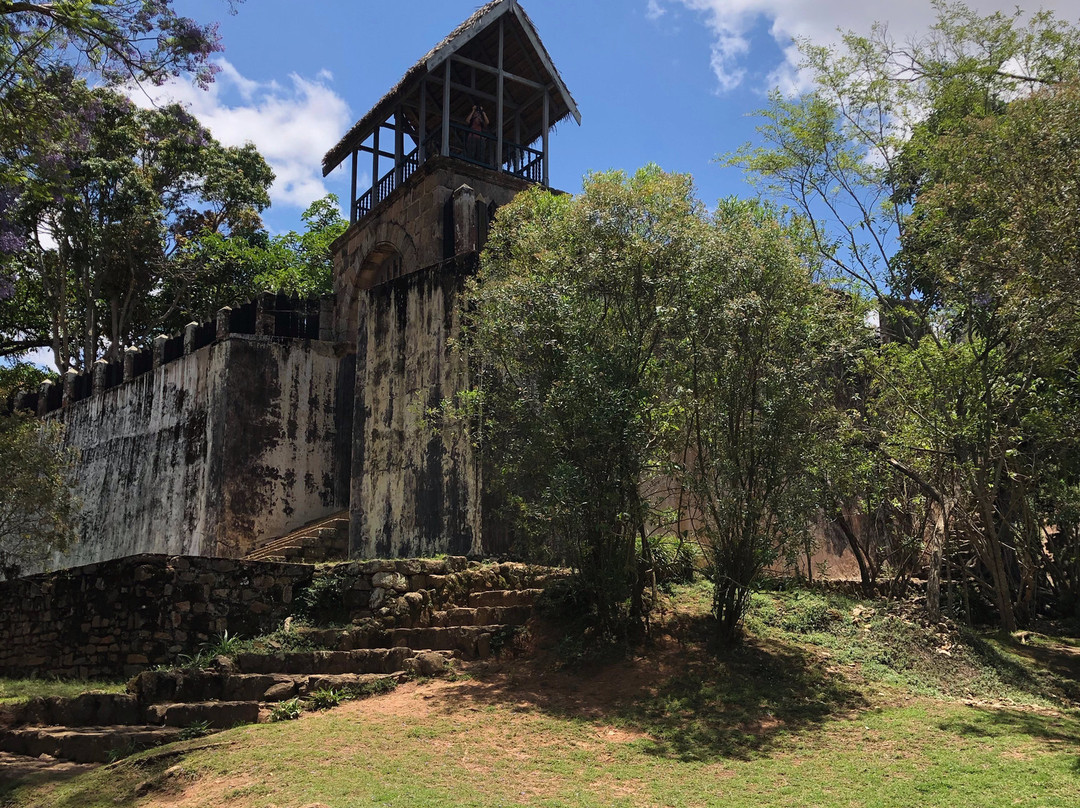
[
  {"x": 383, "y": 263},
  {"x": 384, "y": 252}
]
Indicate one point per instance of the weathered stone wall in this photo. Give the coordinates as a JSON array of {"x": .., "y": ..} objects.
[
  {"x": 415, "y": 491},
  {"x": 116, "y": 618},
  {"x": 211, "y": 454},
  {"x": 416, "y": 223}
]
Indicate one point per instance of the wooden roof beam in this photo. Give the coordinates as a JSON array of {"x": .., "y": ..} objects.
[
  {"x": 472, "y": 91},
  {"x": 489, "y": 69}
]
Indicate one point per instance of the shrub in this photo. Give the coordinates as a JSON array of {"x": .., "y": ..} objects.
[
  {"x": 325, "y": 698},
  {"x": 286, "y": 710}
]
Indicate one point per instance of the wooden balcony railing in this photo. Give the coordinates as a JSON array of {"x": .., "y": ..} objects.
[{"x": 466, "y": 144}]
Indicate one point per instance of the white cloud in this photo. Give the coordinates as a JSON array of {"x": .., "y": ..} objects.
[
  {"x": 731, "y": 22},
  {"x": 654, "y": 11},
  {"x": 292, "y": 125}
]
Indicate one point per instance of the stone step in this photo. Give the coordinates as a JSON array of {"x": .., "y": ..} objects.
[
  {"x": 470, "y": 642},
  {"x": 174, "y": 686},
  {"x": 481, "y": 616},
  {"x": 84, "y": 744},
  {"x": 312, "y": 663},
  {"x": 85, "y": 710},
  {"x": 505, "y": 597},
  {"x": 466, "y": 640},
  {"x": 216, "y": 714},
  {"x": 323, "y": 540}
]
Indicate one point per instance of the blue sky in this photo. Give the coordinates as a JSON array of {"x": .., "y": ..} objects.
[{"x": 673, "y": 82}]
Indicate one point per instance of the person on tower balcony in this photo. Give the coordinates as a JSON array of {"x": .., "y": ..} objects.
[{"x": 474, "y": 144}]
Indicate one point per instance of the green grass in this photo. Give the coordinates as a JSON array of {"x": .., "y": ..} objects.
[
  {"x": 925, "y": 754},
  {"x": 892, "y": 644},
  {"x": 830, "y": 702},
  {"x": 16, "y": 690}
]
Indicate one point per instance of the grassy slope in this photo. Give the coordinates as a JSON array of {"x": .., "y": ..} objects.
[{"x": 830, "y": 703}]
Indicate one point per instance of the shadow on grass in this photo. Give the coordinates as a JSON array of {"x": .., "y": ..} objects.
[
  {"x": 1058, "y": 732},
  {"x": 19, "y": 773},
  {"x": 692, "y": 702},
  {"x": 1050, "y": 671}
]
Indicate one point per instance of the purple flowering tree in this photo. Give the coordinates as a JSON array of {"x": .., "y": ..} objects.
[
  {"x": 119, "y": 40},
  {"x": 116, "y": 192}
]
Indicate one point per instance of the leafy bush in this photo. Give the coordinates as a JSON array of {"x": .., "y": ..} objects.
[
  {"x": 672, "y": 561},
  {"x": 197, "y": 729},
  {"x": 224, "y": 645},
  {"x": 286, "y": 710},
  {"x": 323, "y": 599},
  {"x": 326, "y": 698}
]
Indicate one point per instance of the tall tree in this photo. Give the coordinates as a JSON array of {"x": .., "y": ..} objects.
[
  {"x": 746, "y": 364},
  {"x": 923, "y": 171},
  {"x": 107, "y": 213},
  {"x": 567, "y": 321}
]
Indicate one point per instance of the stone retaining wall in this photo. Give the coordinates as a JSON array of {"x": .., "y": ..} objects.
[{"x": 117, "y": 617}]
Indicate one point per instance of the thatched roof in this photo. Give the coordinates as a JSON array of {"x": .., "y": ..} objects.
[{"x": 524, "y": 55}]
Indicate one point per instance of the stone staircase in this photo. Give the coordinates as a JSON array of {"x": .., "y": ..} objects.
[
  {"x": 321, "y": 541},
  {"x": 425, "y": 626}
]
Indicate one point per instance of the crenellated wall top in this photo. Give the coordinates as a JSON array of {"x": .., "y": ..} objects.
[{"x": 268, "y": 315}]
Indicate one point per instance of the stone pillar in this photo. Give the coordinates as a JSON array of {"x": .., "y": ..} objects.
[
  {"x": 465, "y": 225},
  {"x": 101, "y": 370},
  {"x": 159, "y": 350},
  {"x": 43, "y": 397},
  {"x": 69, "y": 387},
  {"x": 264, "y": 314},
  {"x": 326, "y": 318},
  {"x": 129, "y": 363},
  {"x": 223, "y": 323},
  {"x": 191, "y": 330}
]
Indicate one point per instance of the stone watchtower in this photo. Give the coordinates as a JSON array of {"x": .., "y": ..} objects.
[{"x": 438, "y": 175}]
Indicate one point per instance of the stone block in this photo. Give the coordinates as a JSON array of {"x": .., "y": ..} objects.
[{"x": 390, "y": 580}]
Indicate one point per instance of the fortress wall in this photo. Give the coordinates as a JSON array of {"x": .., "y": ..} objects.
[
  {"x": 415, "y": 220},
  {"x": 415, "y": 490},
  {"x": 145, "y": 477},
  {"x": 211, "y": 454},
  {"x": 280, "y": 432}
]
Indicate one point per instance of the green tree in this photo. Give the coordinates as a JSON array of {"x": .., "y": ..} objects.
[
  {"x": 231, "y": 268},
  {"x": 566, "y": 324},
  {"x": 747, "y": 366},
  {"x": 625, "y": 338},
  {"x": 38, "y": 509},
  {"x": 937, "y": 176},
  {"x": 105, "y": 219}
]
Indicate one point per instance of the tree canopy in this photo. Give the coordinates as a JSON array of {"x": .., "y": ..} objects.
[{"x": 938, "y": 177}]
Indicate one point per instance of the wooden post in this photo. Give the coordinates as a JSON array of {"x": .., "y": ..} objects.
[
  {"x": 499, "y": 102},
  {"x": 375, "y": 167},
  {"x": 547, "y": 128},
  {"x": 97, "y": 381},
  {"x": 446, "y": 111},
  {"x": 159, "y": 350},
  {"x": 70, "y": 378},
  {"x": 422, "y": 152},
  {"x": 399, "y": 149},
  {"x": 43, "y": 397},
  {"x": 352, "y": 196},
  {"x": 191, "y": 332}
]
